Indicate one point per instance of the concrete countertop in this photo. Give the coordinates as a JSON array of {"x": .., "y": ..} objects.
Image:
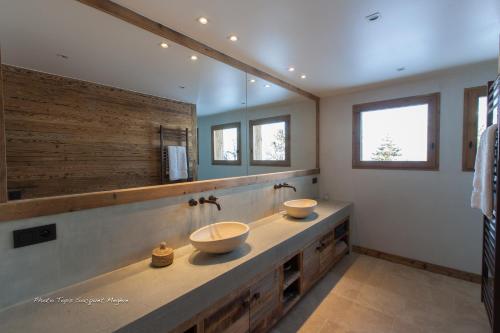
[{"x": 139, "y": 298}]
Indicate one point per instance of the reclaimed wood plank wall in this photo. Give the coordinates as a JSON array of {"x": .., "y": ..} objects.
[
  {"x": 3, "y": 163},
  {"x": 67, "y": 136}
]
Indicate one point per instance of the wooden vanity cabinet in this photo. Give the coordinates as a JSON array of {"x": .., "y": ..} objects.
[
  {"x": 310, "y": 262},
  {"x": 257, "y": 306},
  {"x": 232, "y": 317},
  {"x": 317, "y": 259},
  {"x": 319, "y": 256},
  {"x": 326, "y": 252},
  {"x": 265, "y": 303}
]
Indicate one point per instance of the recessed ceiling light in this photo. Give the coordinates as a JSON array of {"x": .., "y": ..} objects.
[
  {"x": 373, "y": 17},
  {"x": 303, "y": 76},
  {"x": 233, "y": 38},
  {"x": 202, "y": 20},
  {"x": 194, "y": 57},
  {"x": 291, "y": 69},
  {"x": 164, "y": 45},
  {"x": 182, "y": 87},
  {"x": 252, "y": 80},
  {"x": 267, "y": 85},
  {"x": 400, "y": 69}
]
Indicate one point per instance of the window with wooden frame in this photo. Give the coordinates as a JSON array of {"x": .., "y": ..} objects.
[
  {"x": 226, "y": 144},
  {"x": 270, "y": 141},
  {"x": 475, "y": 111},
  {"x": 401, "y": 133}
]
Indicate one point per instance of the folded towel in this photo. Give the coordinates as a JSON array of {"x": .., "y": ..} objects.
[
  {"x": 177, "y": 163},
  {"x": 482, "y": 193}
]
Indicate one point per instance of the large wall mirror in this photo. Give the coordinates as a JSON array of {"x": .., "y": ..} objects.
[{"x": 93, "y": 103}]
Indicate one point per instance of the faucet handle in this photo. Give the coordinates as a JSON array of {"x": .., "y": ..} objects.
[{"x": 212, "y": 198}]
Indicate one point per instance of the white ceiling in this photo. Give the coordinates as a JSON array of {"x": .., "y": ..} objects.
[
  {"x": 331, "y": 41},
  {"x": 106, "y": 50}
]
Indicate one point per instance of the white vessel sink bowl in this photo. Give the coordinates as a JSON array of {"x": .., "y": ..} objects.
[
  {"x": 221, "y": 237},
  {"x": 300, "y": 208}
]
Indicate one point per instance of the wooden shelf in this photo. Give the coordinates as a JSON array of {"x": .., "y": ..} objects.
[
  {"x": 290, "y": 278},
  {"x": 287, "y": 306},
  {"x": 342, "y": 237},
  {"x": 291, "y": 294}
]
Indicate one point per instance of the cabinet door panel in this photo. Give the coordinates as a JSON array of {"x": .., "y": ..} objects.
[
  {"x": 233, "y": 317},
  {"x": 311, "y": 266},
  {"x": 264, "y": 302},
  {"x": 327, "y": 253}
]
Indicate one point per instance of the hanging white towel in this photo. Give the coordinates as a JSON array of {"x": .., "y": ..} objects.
[
  {"x": 177, "y": 163},
  {"x": 482, "y": 192}
]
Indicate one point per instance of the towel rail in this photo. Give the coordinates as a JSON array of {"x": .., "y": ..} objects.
[
  {"x": 178, "y": 136},
  {"x": 490, "y": 281}
]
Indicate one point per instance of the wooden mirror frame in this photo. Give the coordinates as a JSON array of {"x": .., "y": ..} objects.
[{"x": 27, "y": 208}]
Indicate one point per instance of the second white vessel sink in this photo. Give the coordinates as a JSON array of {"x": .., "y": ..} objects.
[
  {"x": 221, "y": 237},
  {"x": 300, "y": 208}
]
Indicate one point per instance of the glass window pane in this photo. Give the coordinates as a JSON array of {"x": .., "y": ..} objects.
[
  {"x": 269, "y": 141},
  {"x": 395, "y": 134},
  {"x": 226, "y": 144},
  {"x": 482, "y": 114}
]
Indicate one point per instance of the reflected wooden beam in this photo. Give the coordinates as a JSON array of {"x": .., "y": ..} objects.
[
  {"x": 3, "y": 159},
  {"x": 22, "y": 209},
  {"x": 317, "y": 134},
  {"x": 156, "y": 28}
]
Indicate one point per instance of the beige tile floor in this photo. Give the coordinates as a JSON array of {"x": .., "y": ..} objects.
[{"x": 365, "y": 294}]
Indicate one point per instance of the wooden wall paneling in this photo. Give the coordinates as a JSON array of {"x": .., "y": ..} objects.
[
  {"x": 67, "y": 136},
  {"x": 3, "y": 161}
]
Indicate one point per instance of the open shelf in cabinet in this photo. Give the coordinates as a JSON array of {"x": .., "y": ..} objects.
[{"x": 291, "y": 282}]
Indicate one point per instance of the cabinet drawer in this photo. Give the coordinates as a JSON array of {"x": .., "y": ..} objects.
[
  {"x": 264, "y": 302},
  {"x": 233, "y": 317}
]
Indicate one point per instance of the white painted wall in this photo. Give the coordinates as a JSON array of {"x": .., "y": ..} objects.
[
  {"x": 302, "y": 131},
  {"x": 423, "y": 215}
]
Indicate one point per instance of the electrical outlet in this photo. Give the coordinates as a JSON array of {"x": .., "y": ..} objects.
[{"x": 30, "y": 236}]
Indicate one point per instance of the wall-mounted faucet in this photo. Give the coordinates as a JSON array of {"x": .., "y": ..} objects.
[
  {"x": 278, "y": 186},
  {"x": 192, "y": 202},
  {"x": 212, "y": 200}
]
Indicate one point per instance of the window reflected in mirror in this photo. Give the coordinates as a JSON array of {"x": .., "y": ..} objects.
[
  {"x": 226, "y": 142},
  {"x": 270, "y": 141}
]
